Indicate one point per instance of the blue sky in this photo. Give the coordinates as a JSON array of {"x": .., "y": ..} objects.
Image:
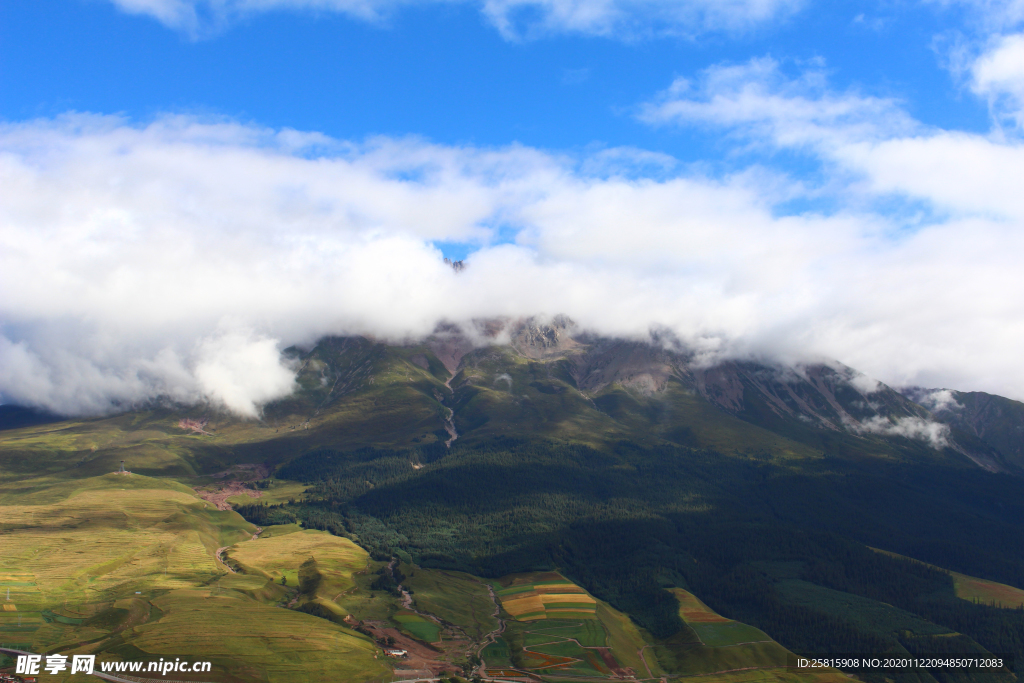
[
  {"x": 445, "y": 72},
  {"x": 187, "y": 186}
]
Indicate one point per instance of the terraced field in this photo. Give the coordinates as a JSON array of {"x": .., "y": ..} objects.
[
  {"x": 245, "y": 636},
  {"x": 549, "y": 595},
  {"x": 720, "y": 649},
  {"x": 562, "y": 633},
  {"x": 120, "y": 566},
  {"x": 281, "y": 556}
]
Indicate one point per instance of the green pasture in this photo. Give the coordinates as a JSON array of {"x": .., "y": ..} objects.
[
  {"x": 624, "y": 638},
  {"x": 563, "y": 648},
  {"x": 589, "y": 632},
  {"x": 973, "y": 589},
  {"x": 497, "y": 654},
  {"x": 987, "y": 592},
  {"x": 107, "y": 537},
  {"x": 278, "y": 492},
  {"x": 418, "y": 626},
  {"x": 280, "y": 530},
  {"x": 458, "y": 598},
  {"x": 285, "y": 645},
  {"x": 724, "y": 634}
]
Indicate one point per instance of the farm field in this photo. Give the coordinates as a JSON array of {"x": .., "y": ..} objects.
[
  {"x": 420, "y": 627},
  {"x": 281, "y": 556},
  {"x": 570, "y": 635},
  {"x": 712, "y": 646},
  {"x": 119, "y": 566},
  {"x": 545, "y": 595}
]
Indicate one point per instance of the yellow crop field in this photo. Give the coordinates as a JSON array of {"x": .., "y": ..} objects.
[
  {"x": 281, "y": 556},
  {"x": 692, "y": 610},
  {"x": 529, "y": 597}
]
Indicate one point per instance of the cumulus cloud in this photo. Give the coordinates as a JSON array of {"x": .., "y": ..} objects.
[
  {"x": 175, "y": 259},
  {"x": 513, "y": 18},
  {"x": 998, "y": 75}
]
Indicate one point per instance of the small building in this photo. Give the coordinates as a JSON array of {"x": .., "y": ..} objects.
[{"x": 395, "y": 652}]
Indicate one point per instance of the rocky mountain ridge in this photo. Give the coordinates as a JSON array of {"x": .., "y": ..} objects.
[{"x": 548, "y": 378}]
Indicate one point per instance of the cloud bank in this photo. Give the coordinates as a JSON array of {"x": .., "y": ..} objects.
[
  {"x": 934, "y": 433},
  {"x": 176, "y": 258},
  {"x": 513, "y": 18}
]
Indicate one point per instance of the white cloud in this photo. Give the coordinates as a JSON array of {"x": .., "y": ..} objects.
[
  {"x": 881, "y": 150},
  {"x": 864, "y": 384},
  {"x": 241, "y": 372},
  {"x": 513, "y": 18},
  {"x": 632, "y": 18},
  {"x": 998, "y": 75},
  {"x": 774, "y": 108},
  {"x": 990, "y": 14},
  {"x": 939, "y": 400},
  {"x": 174, "y": 259},
  {"x": 918, "y": 428}
]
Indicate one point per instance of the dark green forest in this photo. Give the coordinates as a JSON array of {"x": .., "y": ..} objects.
[{"x": 628, "y": 522}]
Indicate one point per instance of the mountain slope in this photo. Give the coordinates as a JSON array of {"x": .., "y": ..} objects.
[
  {"x": 627, "y": 465},
  {"x": 995, "y": 421}
]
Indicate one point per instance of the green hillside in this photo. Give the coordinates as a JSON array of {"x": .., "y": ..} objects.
[
  {"x": 635, "y": 476},
  {"x": 121, "y": 565}
]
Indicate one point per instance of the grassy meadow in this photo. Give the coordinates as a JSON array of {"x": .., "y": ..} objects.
[
  {"x": 987, "y": 592},
  {"x": 281, "y": 556},
  {"x": 455, "y": 597},
  {"x": 122, "y": 565}
]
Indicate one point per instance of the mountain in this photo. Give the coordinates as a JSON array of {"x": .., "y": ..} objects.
[
  {"x": 808, "y": 504},
  {"x": 996, "y": 421},
  {"x": 522, "y": 377}
]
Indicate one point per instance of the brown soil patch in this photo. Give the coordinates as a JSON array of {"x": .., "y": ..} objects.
[
  {"x": 609, "y": 660},
  {"x": 420, "y": 655},
  {"x": 219, "y": 497}
]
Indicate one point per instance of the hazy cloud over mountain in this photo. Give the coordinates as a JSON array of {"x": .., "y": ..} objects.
[{"x": 176, "y": 258}]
